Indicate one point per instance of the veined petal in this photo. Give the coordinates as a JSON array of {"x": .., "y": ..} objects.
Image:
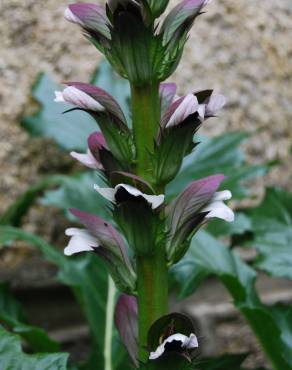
[
  {"x": 74, "y": 96},
  {"x": 105, "y": 100},
  {"x": 215, "y": 104},
  {"x": 87, "y": 159},
  {"x": 183, "y": 342},
  {"x": 167, "y": 92},
  {"x": 107, "y": 193},
  {"x": 192, "y": 199},
  {"x": 180, "y": 110},
  {"x": 181, "y": 13},
  {"x": 217, "y": 208},
  {"x": 89, "y": 16},
  {"x": 126, "y": 321},
  {"x": 110, "y": 193},
  {"x": 96, "y": 142},
  {"x": 81, "y": 241}
]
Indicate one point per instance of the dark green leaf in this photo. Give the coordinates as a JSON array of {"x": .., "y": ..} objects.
[
  {"x": 11, "y": 314},
  {"x": 272, "y": 227},
  {"x": 168, "y": 362},
  {"x": 14, "y": 214},
  {"x": 87, "y": 276},
  {"x": 78, "y": 192},
  {"x": 225, "y": 362},
  {"x": 218, "y": 155},
  {"x": 12, "y": 357},
  {"x": 239, "y": 279},
  {"x": 241, "y": 225},
  {"x": 70, "y": 130}
]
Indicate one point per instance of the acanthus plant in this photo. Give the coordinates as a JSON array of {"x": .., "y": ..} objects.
[{"x": 137, "y": 160}]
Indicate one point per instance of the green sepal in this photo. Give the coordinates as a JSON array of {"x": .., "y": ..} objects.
[
  {"x": 135, "y": 46},
  {"x": 168, "y": 325},
  {"x": 157, "y": 7},
  {"x": 118, "y": 137},
  {"x": 175, "y": 143},
  {"x": 141, "y": 226},
  {"x": 124, "y": 278}
]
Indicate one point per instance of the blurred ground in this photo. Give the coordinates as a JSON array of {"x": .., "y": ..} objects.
[{"x": 241, "y": 48}]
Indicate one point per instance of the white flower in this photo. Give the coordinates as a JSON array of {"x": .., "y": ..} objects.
[
  {"x": 217, "y": 208},
  {"x": 188, "y": 106},
  {"x": 190, "y": 342},
  {"x": 110, "y": 193},
  {"x": 87, "y": 159},
  {"x": 74, "y": 96},
  {"x": 81, "y": 241}
]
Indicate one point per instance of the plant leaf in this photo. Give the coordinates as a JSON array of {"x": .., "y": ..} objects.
[
  {"x": 87, "y": 277},
  {"x": 70, "y": 131},
  {"x": 218, "y": 155},
  {"x": 11, "y": 314},
  {"x": 12, "y": 357},
  {"x": 78, "y": 192},
  {"x": 239, "y": 279},
  {"x": 225, "y": 362},
  {"x": 14, "y": 214},
  {"x": 272, "y": 227}
]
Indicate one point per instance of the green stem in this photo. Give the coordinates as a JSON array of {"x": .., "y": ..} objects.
[
  {"x": 152, "y": 271},
  {"x": 110, "y": 308},
  {"x": 146, "y": 117},
  {"x": 152, "y": 295}
]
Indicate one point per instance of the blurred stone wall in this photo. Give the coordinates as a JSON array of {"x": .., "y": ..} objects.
[{"x": 241, "y": 48}]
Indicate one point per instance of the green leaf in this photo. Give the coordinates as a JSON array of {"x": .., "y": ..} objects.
[
  {"x": 225, "y": 362},
  {"x": 11, "y": 314},
  {"x": 240, "y": 226},
  {"x": 70, "y": 130},
  {"x": 78, "y": 192},
  {"x": 12, "y": 357},
  {"x": 14, "y": 214},
  {"x": 218, "y": 155},
  {"x": 272, "y": 227},
  {"x": 239, "y": 279},
  {"x": 168, "y": 362},
  {"x": 87, "y": 276}
]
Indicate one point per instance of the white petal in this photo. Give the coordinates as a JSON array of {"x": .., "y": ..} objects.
[
  {"x": 222, "y": 195},
  {"x": 193, "y": 342},
  {"x": 81, "y": 241},
  {"x": 74, "y": 96},
  {"x": 107, "y": 193},
  {"x": 201, "y": 111},
  {"x": 71, "y": 17},
  {"x": 154, "y": 200},
  {"x": 87, "y": 159},
  {"x": 219, "y": 209},
  {"x": 59, "y": 97},
  {"x": 187, "y": 107},
  {"x": 216, "y": 103},
  {"x": 130, "y": 189},
  {"x": 190, "y": 342}
]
